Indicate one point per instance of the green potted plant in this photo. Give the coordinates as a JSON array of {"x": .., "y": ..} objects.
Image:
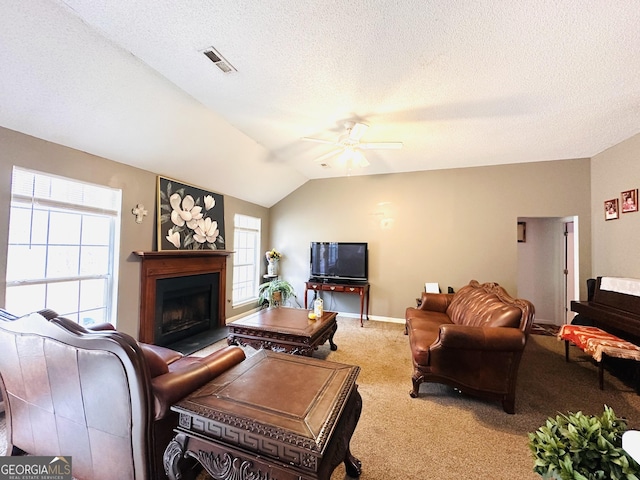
[
  {"x": 276, "y": 292},
  {"x": 582, "y": 447}
]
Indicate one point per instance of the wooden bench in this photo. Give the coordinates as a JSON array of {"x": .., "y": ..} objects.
[{"x": 598, "y": 343}]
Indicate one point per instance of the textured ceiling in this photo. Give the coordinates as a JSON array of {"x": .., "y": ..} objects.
[{"x": 460, "y": 83}]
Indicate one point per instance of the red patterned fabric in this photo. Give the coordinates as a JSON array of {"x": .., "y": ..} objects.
[{"x": 597, "y": 342}]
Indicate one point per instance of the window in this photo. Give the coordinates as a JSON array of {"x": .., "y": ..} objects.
[
  {"x": 63, "y": 247},
  {"x": 246, "y": 266}
]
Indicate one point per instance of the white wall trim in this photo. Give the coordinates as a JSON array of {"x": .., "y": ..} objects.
[
  {"x": 372, "y": 317},
  {"x": 340, "y": 314}
]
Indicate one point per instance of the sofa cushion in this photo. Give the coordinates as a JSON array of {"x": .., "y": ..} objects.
[{"x": 475, "y": 307}]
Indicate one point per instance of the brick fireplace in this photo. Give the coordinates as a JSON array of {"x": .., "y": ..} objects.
[{"x": 182, "y": 293}]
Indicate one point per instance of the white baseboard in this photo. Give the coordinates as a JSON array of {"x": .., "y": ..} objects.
[
  {"x": 340, "y": 314},
  {"x": 545, "y": 321},
  {"x": 373, "y": 317}
]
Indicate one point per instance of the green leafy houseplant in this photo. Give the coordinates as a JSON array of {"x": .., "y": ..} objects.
[
  {"x": 275, "y": 292},
  {"x": 582, "y": 447}
]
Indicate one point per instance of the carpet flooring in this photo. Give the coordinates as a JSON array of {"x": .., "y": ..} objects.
[{"x": 444, "y": 434}]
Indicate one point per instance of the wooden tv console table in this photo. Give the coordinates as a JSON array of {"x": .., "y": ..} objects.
[{"x": 361, "y": 289}]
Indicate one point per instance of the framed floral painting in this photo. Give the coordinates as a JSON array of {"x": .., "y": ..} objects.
[{"x": 189, "y": 218}]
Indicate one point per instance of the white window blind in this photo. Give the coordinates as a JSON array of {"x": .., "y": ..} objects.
[
  {"x": 63, "y": 247},
  {"x": 246, "y": 266}
]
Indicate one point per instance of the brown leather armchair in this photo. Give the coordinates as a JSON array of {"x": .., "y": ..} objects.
[
  {"x": 472, "y": 340},
  {"x": 97, "y": 396}
]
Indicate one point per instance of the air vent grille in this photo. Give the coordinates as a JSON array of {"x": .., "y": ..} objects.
[{"x": 218, "y": 60}]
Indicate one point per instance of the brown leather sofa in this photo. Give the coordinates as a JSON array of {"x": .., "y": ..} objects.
[
  {"x": 472, "y": 340},
  {"x": 97, "y": 396}
]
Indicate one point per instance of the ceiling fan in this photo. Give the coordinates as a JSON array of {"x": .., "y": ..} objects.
[{"x": 349, "y": 146}]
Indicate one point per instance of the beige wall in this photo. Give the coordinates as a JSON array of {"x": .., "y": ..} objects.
[
  {"x": 446, "y": 226},
  {"x": 138, "y": 186},
  {"x": 616, "y": 243}
]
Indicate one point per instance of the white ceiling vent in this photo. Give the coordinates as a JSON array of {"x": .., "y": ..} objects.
[{"x": 218, "y": 60}]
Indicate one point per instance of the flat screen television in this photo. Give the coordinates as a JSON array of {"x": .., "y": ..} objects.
[{"x": 339, "y": 261}]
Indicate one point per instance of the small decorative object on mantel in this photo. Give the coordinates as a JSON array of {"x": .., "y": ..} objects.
[
  {"x": 140, "y": 212},
  {"x": 611, "y": 209},
  {"x": 189, "y": 218},
  {"x": 273, "y": 257},
  {"x": 629, "y": 201}
]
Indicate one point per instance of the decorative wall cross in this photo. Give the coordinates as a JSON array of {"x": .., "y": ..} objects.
[{"x": 139, "y": 212}]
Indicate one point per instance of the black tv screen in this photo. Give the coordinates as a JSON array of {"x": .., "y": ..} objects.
[{"x": 339, "y": 261}]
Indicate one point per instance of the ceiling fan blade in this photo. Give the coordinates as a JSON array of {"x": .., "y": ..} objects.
[
  {"x": 327, "y": 156},
  {"x": 362, "y": 161},
  {"x": 385, "y": 145},
  {"x": 357, "y": 131},
  {"x": 319, "y": 140}
]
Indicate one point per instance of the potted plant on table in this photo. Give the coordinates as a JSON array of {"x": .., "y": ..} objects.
[
  {"x": 276, "y": 292},
  {"x": 582, "y": 447}
]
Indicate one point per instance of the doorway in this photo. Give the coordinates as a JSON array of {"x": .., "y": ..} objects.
[
  {"x": 547, "y": 266},
  {"x": 570, "y": 278}
]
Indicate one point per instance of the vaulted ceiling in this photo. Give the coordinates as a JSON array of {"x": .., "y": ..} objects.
[{"x": 459, "y": 83}]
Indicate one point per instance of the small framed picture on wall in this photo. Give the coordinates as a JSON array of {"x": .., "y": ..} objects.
[
  {"x": 611, "y": 209},
  {"x": 629, "y": 201}
]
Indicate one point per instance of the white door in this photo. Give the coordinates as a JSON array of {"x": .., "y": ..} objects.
[{"x": 569, "y": 270}]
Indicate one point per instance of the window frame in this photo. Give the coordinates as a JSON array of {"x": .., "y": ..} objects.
[
  {"x": 256, "y": 233},
  {"x": 83, "y": 200}
]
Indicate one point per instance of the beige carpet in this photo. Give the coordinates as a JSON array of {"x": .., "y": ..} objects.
[{"x": 447, "y": 435}]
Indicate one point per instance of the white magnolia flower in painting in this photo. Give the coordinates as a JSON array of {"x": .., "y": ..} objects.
[
  {"x": 206, "y": 231},
  {"x": 185, "y": 211},
  {"x": 209, "y": 202},
  {"x": 174, "y": 237}
]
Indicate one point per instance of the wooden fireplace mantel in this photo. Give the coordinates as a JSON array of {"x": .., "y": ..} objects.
[{"x": 171, "y": 264}]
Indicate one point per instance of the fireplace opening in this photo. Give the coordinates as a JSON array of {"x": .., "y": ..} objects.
[{"x": 185, "y": 306}]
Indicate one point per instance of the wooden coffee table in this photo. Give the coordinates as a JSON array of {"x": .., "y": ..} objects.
[
  {"x": 271, "y": 417},
  {"x": 287, "y": 330}
]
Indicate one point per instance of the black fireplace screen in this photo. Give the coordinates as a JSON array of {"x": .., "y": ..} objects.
[{"x": 185, "y": 306}]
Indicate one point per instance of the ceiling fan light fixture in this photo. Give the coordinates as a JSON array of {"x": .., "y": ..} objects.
[
  {"x": 349, "y": 146},
  {"x": 344, "y": 157},
  {"x": 351, "y": 157}
]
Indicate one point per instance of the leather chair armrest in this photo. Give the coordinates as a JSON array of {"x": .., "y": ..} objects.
[
  {"x": 190, "y": 373},
  {"x": 48, "y": 313},
  {"x": 98, "y": 327},
  {"x": 435, "y": 302},
  {"x": 465, "y": 337},
  {"x": 166, "y": 354}
]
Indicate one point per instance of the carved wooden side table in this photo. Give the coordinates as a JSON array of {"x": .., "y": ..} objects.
[{"x": 272, "y": 417}]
